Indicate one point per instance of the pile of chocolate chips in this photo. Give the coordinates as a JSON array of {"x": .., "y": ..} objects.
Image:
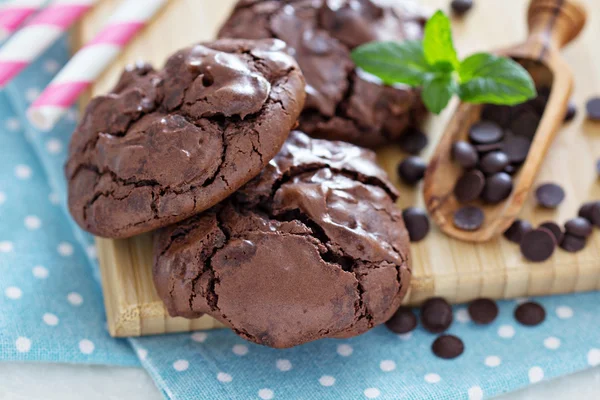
[
  {"x": 498, "y": 145},
  {"x": 539, "y": 244},
  {"x": 436, "y": 317}
]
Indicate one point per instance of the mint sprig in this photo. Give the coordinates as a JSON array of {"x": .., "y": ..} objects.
[{"x": 433, "y": 65}]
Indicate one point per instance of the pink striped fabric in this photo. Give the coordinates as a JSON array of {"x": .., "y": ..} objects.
[
  {"x": 60, "y": 15},
  {"x": 61, "y": 94},
  {"x": 118, "y": 34},
  {"x": 11, "y": 18}
]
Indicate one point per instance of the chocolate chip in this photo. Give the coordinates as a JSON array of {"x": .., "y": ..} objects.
[
  {"x": 460, "y": 7},
  {"x": 436, "y": 315},
  {"x": 447, "y": 347},
  {"x": 516, "y": 148},
  {"x": 417, "y": 223},
  {"x": 469, "y": 186},
  {"x": 579, "y": 226},
  {"x": 483, "y": 149},
  {"x": 497, "y": 114},
  {"x": 591, "y": 212},
  {"x": 549, "y": 195},
  {"x": 517, "y": 230},
  {"x": 468, "y": 218},
  {"x": 538, "y": 245},
  {"x": 413, "y": 141},
  {"x": 539, "y": 103},
  {"x": 483, "y": 311},
  {"x": 497, "y": 188},
  {"x": 486, "y": 132},
  {"x": 510, "y": 169},
  {"x": 572, "y": 243},
  {"x": 530, "y": 313},
  {"x": 525, "y": 124},
  {"x": 555, "y": 229},
  {"x": 571, "y": 111},
  {"x": 403, "y": 321},
  {"x": 494, "y": 162},
  {"x": 593, "y": 108},
  {"x": 465, "y": 154},
  {"x": 412, "y": 169}
]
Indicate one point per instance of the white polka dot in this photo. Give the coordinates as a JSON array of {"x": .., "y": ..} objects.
[
  {"x": 283, "y": 365},
  {"x": 13, "y": 292},
  {"x": 344, "y": 350},
  {"x": 536, "y": 374},
  {"x": 72, "y": 114},
  {"x": 564, "y": 312},
  {"x": 372, "y": 393},
  {"x": 432, "y": 378},
  {"x": 54, "y": 146},
  {"x": 12, "y": 124},
  {"x": 327, "y": 380},
  {"x": 23, "y": 344},
  {"x": 32, "y": 222},
  {"x": 50, "y": 319},
  {"x": 75, "y": 298},
  {"x": 199, "y": 337},
  {"x": 40, "y": 272},
  {"x": 65, "y": 249},
  {"x": 265, "y": 394},
  {"x": 31, "y": 94},
  {"x": 2, "y": 198},
  {"x": 86, "y": 346},
  {"x": 506, "y": 331},
  {"x": 593, "y": 357},
  {"x": 142, "y": 354},
  {"x": 91, "y": 252},
  {"x": 6, "y": 246},
  {"x": 475, "y": 393},
  {"x": 492, "y": 361},
  {"x": 552, "y": 343},
  {"x": 51, "y": 66},
  {"x": 404, "y": 336},
  {"x": 22, "y": 171},
  {"x": 223, "y": 377},
  {"x": 387, "y": 365},
  {"x": 240, "y": 349},
  {"x": 53, "y": 197},
  {"x": 462, "y": 315},
  {"x": 181, "y": 365}
]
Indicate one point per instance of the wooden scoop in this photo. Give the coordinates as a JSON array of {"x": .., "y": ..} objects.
[{"x": 552, "y": 24}]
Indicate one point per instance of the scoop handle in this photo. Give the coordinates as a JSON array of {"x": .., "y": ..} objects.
[{"x": 555, "y": 22}]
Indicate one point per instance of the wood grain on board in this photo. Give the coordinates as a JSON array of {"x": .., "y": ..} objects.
[{"x": 442, "y": 266}]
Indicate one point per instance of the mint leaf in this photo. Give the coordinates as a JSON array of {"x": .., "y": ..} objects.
[
  {"x": 437, "y": 91},
  {"x": 437, "y": 42},
  {"x": 393, "y": 62},
  {"x": 486, "y": 78}
]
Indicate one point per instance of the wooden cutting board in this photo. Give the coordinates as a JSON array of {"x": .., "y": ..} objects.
[{"x": 441, "y": 266}]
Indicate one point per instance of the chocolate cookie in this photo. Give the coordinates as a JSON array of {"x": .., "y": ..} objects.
[
  {"x": 165, "y": 145},
  {"x": 342, "y": 103},
  {"x": 313, "y": 247}
]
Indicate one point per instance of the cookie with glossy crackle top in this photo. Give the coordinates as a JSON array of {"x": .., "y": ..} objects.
[
  {"x": 313, "y": 247},
  {"x": 343, "y": 103},
  {"x": 167, "y": 144}
]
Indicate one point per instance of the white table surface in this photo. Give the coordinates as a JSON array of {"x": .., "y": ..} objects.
[{"x": 28, "y": 381}]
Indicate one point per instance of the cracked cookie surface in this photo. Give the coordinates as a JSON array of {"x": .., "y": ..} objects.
[
  {"x": 313, "y": 247},
  {"x": 342, "y": 103},
  {"x": 165, "y": 145}
]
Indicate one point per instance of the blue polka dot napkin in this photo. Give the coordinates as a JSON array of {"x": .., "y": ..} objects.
[{"x": 51, "y": 308}]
